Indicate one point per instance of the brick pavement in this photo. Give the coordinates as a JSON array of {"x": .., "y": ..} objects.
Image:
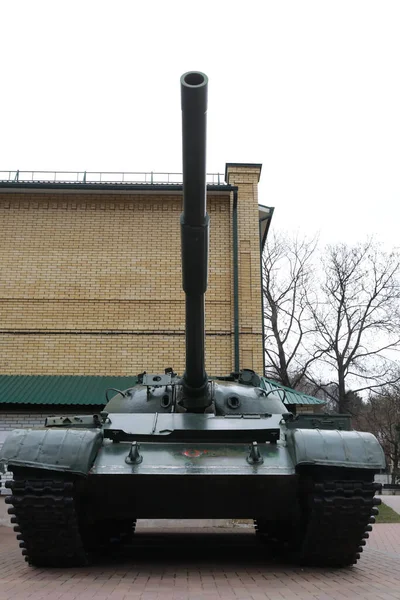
[{"x": 213, "y": 565}]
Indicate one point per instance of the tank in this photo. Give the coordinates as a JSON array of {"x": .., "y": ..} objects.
[{"x": 188, "y": 446}]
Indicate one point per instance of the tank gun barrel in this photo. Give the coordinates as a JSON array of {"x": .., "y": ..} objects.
[{"x": 194, "y": 235}]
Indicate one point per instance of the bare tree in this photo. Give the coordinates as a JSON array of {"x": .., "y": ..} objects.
[
  {"x": 357, "y": 319},
  {"x": 288, "y": 326},
  {"x": 383, "y": 419}
]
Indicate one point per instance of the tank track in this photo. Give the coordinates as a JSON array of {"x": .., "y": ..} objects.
[
  {"x": 337, "y": 521},
  {"x": 339, "y": 517},
  {"x": 46, "y": 522}
]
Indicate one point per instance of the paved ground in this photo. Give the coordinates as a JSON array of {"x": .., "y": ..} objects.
[{"x": 211, "y": 565}]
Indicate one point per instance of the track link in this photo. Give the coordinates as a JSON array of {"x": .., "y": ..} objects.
[
  {"x": 339, "y": 516},
  {"x": 46, "y": 522}
]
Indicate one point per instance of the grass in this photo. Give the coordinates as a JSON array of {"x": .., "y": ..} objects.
[{"x": 387, "y": 515}]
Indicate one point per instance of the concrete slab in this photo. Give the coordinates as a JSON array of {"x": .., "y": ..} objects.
[
  {"x": 392, "y": 501},
  {"x": 184, "y": 523},
  {"x": 4, "y": 517}
]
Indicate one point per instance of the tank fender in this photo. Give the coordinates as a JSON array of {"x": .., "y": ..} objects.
[
  {"x": 66, "y": 450},
  {"x": 334, "y": 448}
]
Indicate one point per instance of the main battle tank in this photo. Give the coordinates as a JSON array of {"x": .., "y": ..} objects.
[{"x": 192, "y": 447}]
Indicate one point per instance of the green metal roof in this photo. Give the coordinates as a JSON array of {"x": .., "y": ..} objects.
[
  {"x": 63, "y": 389},
  {"x": 90, "y": 390},
  {"x": 291, "y": 396}
]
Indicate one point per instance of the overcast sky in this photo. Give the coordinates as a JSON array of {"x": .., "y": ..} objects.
[{"x": 310, "y": 89}]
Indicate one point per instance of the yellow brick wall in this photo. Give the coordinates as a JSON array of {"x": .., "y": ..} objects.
[
  {"x": 91, "y": 284},
  {"x": 250, "y": 310}
]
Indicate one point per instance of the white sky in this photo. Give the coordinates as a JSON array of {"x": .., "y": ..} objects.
[{"x": 311, "y": 89}]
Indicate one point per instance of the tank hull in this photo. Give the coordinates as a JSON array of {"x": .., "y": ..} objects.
[
  {"x": 187, "y": 496},
  {"x": 316, "y": 516}
]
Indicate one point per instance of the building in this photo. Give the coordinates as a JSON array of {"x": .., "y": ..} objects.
[{"x": 92, "y": 277}]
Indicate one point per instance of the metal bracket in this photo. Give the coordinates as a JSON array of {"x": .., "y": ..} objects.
[
  {"x": 254, "y": 457},
  {"x": 134, "y": 457},
  {"x": 157, "y": 380},
  {"x": 84, "y": 421}
]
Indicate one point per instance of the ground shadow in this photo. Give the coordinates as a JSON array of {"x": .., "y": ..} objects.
[{"x": 239, "y": 550}]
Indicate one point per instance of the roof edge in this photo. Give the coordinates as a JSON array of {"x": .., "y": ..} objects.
[
  {"x": 300, "y": 394},
  {"x": 107, "y": 187}
]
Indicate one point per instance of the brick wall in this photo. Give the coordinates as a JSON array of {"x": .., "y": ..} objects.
[
  {"x": 35, "y": 417},
  {"x": 91, "y": 282}
]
